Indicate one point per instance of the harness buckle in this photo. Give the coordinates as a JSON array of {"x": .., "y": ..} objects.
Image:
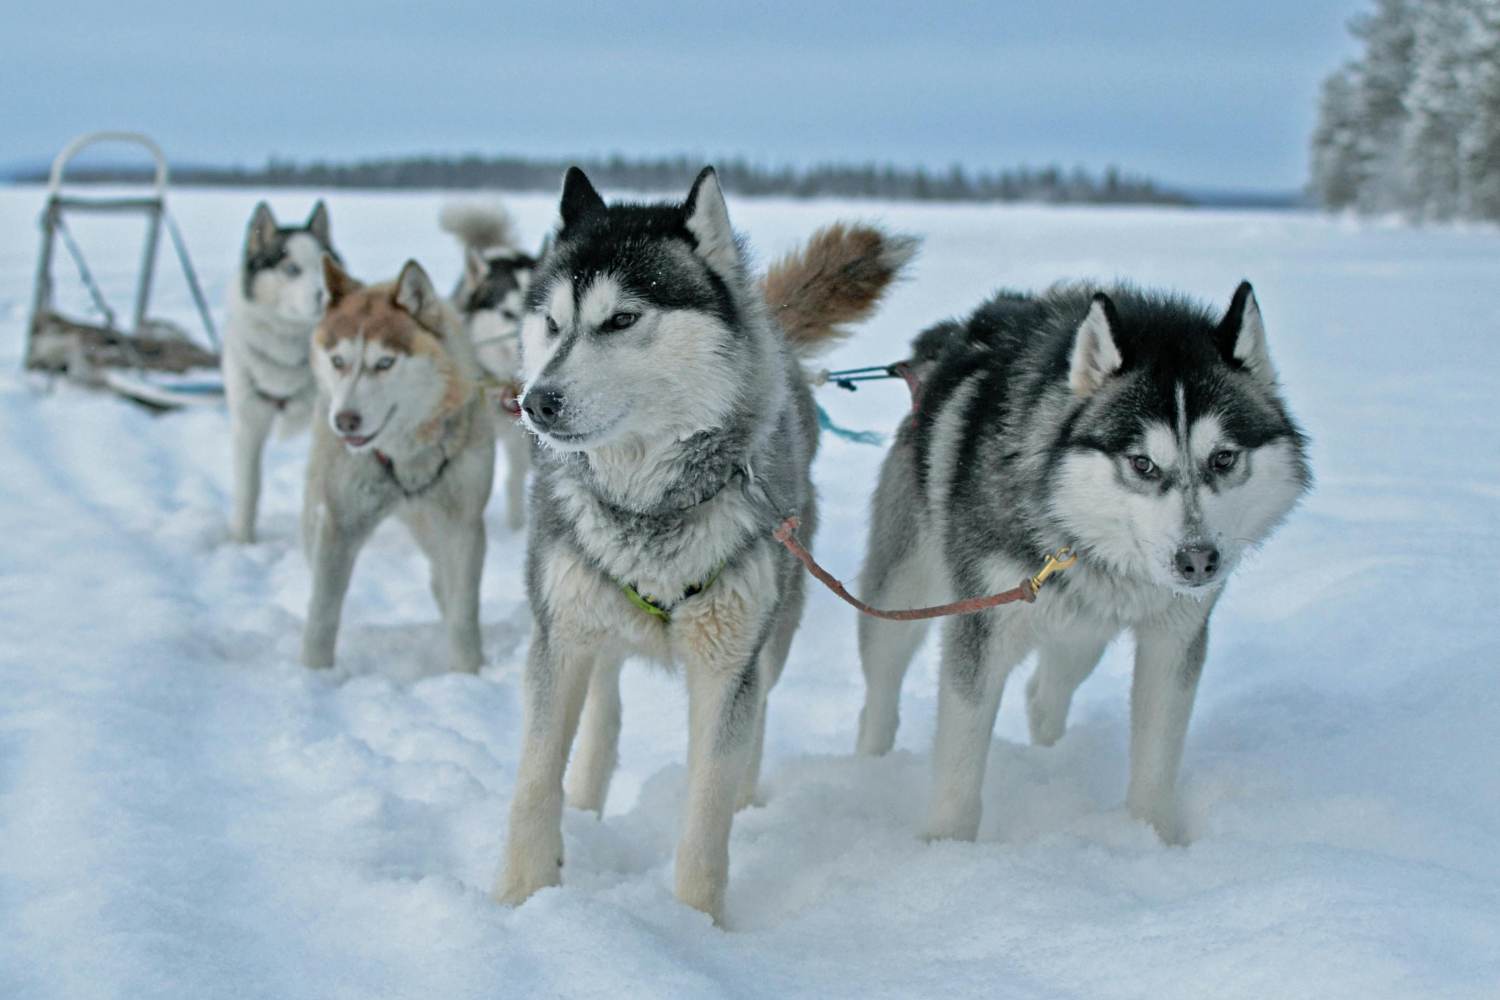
[{"x": 1056, "y": 562}]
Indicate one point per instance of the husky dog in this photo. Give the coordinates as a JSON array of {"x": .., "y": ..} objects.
[
  {"x": 273, "y": 308},
  {"x": 1140, "y": 430},
  {"x": 490, "y": 297},
  {"x": 669, "y": 403},
  {"x": 402, "y": 426}
]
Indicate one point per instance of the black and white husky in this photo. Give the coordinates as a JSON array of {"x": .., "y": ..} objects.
[
  {"x": 1138, "y": 429},
  {"x": 490, "y": 297},
  {"x": 661, "y": 387},
  {"x": 273, "y": 307}
]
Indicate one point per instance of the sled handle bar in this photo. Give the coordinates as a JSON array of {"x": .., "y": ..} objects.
[{"x": 82, "y": 142}]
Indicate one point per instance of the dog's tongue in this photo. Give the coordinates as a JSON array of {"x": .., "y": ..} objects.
[
  {"x": 510, "y": 400},
  {"x": 356, "y": 442}
]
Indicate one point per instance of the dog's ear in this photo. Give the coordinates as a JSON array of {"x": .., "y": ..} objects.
[
  {"x": 707, "y": 218},
  {"x": 318, "y": 225},
  {"x": 1241, "y": 334},
  {"x": 262, "y": 234},
  {"x": 579, "y": 199},
  {"x": 336, "y": 280},
  {"x": 415, "y": 294},
  {"x": 476, "y": 268},
  {"x": 1096, "y": 353}
]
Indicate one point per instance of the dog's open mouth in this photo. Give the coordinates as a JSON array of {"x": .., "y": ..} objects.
[{"x": 358, "y": 442}]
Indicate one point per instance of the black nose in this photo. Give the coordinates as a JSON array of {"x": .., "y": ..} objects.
[
  {"x": 543, "y": 406},
  {"x": 347, "y": 421},
  {"x": 1197, "y": 563}
]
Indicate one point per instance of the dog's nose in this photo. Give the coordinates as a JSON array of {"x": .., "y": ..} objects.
[
  {"x": 347, "y": 421},
  {"x": 543, "y": 406},
  {"x": 1197, "y": 563}
]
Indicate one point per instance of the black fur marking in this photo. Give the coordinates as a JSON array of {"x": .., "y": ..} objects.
[{"x": 269, "y": 256}]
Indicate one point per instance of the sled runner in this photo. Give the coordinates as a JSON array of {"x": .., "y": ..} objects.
[{"x": 151, "y": 361}]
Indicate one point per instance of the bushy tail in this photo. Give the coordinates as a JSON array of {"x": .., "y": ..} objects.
[
  {"x": 838, "y": 278},
  {"x": 478, "y": 225}
]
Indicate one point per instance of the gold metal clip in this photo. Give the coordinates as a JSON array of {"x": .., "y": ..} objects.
[{"x": 1063, "y": 558}]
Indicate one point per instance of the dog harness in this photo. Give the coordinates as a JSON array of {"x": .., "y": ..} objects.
[{"x": 653, "y": 606}]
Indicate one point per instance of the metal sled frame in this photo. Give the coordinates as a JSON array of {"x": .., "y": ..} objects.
[{"x": 140, "y": 361}]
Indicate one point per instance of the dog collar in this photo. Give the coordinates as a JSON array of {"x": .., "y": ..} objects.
[
  {"x": 654, "y": 607},
  {"x": 390, "y": 470}
]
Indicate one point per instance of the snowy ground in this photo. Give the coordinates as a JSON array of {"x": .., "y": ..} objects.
[{"x": 186, "y": 812}]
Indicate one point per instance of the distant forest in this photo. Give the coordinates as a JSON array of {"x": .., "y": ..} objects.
[
  {"x": 1413, "y": 124},
  {"x": 517, "y": 173}
]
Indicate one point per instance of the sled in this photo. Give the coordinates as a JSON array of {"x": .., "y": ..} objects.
[{"x": 150, "y": 361}]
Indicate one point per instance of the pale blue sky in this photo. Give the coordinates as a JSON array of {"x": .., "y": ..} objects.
[{"x": 1217, "y": 93}]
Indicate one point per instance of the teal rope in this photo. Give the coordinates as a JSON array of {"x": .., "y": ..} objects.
[{"x": 858, "y": 437}]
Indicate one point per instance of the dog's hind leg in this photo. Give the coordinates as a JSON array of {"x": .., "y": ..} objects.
[
  {"x": 593, "y": 764},
  {"x": 1168, "y": 663},
  {"x": 250, "y": 424},
  {"x": 887, "y": 647},
  {"x": 557, "y": 676},
  {"x": 772, "y": 660},
  {"x": 420, "y": 523},
  {"x": 1064, "y": 663},
  {"x": 978, "y": 655}
]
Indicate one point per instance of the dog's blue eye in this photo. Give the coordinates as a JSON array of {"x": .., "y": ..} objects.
[
  {"x": 621, "y": 321},
  {"x": 384, "y": 364},
  {"x": 1223, "y": 461},
  {"x": 1143, "y": 466},
  {"x": 337, "y": 362},
  {"x": 292, "y": 270},
  {"x": 552, "y": 326}
]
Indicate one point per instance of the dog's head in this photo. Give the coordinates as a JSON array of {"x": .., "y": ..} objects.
[
  {"x": 380, "y": 357},
  {"x": 491, "y": 297},
  {"x": 631, "y": 319},
  {"x": 281, "y": 267},
  {"x": 1181, "y": 455}
]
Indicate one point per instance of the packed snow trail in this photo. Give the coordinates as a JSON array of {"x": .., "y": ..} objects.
[{"x": 186, "y": 812}]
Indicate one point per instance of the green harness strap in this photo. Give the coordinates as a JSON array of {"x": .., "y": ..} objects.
[{"x": 655, "y": 608}]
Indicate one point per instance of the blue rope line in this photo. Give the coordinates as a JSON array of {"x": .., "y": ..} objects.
[{"x": 858, "y": 437}]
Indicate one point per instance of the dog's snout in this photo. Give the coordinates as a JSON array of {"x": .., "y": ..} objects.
[
  {"x": 543, "y": 406},
  {"x": 347, "y": 421},
  {"x": 1197, "y": 564}
]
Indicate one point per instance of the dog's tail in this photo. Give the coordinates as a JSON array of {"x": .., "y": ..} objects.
[
  {"x": 478, "y": 225},
  {"x": 837, "y": 279}
]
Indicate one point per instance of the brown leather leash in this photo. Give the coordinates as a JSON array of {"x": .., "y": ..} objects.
[{"x": 1026, "y": 591}]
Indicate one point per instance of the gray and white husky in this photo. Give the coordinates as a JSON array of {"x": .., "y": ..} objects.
[
  {"x": 490, "y": 297},
  {"x": 669, "y": 401},
  {"x": 273, "y": 307},
  {"x": 1140, "y": 430},
  {"x": 402, "y": 428}
]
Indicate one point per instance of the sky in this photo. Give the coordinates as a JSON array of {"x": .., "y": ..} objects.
[{"x": 1206, "y": 94}]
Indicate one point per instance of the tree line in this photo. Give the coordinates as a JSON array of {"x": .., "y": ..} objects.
[
  {"x": 1413, "y": 124},
  {"x": 520, "y": 173}
]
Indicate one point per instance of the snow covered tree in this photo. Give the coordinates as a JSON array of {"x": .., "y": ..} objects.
[
  {"x": 1336, "y": 154},
  {"x": 1428, "y": 150},
  {"x": 1479, "y": 140}
]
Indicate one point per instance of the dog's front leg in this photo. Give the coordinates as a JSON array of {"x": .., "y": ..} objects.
[
  {"x": 1169, "y": 659},
  {"x": 465, "y": 566},
  {"x": 557, "y": 675},
  {"x": 517, "y": 462},
  {"x": 724, "y": 704},
  {"x": 335, "y": 546},
  {"x": 978, "y": 655},
  {"x": 250, "y": 424},
  {"x": 598, "y": 739}
]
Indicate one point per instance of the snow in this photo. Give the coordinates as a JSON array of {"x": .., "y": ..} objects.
[{"x": 186, "y": 812}]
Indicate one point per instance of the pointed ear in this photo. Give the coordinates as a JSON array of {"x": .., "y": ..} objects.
[
  {"x": 579, "y": 199},
  {"x": 337, "y": 281},
  {"x": 707, "y": 218},
  {"x": 1096, "y": 355},
  {"x": 318, "y": 225},
  {"x": 415, "y": 294},
  {"x": 1241, "y": 335},
  {"x": 476, "y": 268},
  {"x": 261, "y": 235}
]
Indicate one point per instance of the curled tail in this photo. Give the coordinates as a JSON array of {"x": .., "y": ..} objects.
[
  {"x": 838, "y": 278},
  {"x": 478, "y": 225}
]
